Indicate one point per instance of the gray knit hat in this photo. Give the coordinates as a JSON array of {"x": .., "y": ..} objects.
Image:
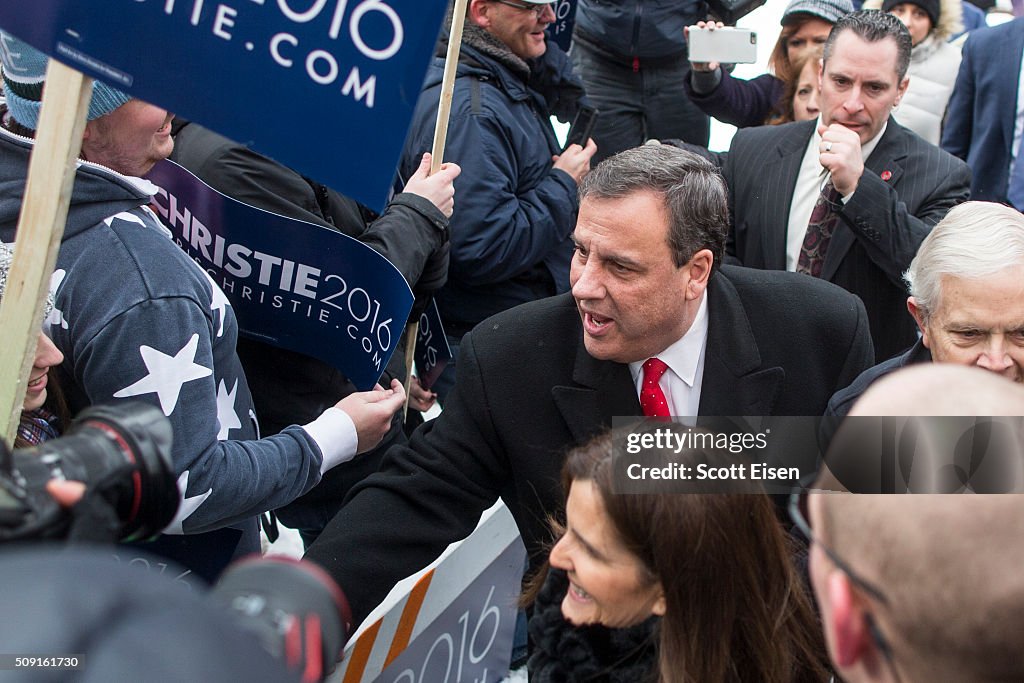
[
  {"x": 24, "y": 69},
  {"x": 6, "y": 258},
  {"x": 829, "y": 10}
]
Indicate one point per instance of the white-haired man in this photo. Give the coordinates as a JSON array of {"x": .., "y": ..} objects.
[{"x": 966, "y": 296}]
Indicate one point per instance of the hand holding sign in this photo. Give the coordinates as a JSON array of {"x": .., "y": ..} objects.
[
  {"x": 419, "y": 398},
  {"x": 451, "y": 63},
  {"x": 438, "y": 188}
]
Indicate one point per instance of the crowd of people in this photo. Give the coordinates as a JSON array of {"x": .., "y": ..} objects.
[{"x": 866, "y": 218}]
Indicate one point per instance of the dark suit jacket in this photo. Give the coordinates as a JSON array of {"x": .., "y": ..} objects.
[
  {"x": 778, "y": 344},
  {"x": 880, "y": 228},
  {"x": 841, "y": 403},
  {"x": 983, "y": 107}
]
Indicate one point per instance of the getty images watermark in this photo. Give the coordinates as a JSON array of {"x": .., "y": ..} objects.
[
  {"x": 863, "y": 455},
  {"x": 675, "y": 441}
]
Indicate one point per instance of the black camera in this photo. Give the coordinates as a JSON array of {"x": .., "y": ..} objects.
[
  {"x": 268, "y": 620},
  {"x": 121, "y": 452},
  {"x": 294, "y": 609}
]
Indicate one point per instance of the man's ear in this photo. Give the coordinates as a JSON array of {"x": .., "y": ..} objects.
[
  {"x": 479, "y": 13},
  {"x": 851, "y": 637},
  {"x": 918, "y": 313},
  {"x": 700, "y": 270},
  {"x": 901, "y": 90}
]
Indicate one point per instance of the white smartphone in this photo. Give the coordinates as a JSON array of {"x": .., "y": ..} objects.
[{"x": 727, "y": 45}]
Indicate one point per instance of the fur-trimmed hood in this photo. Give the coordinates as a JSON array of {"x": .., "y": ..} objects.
[{"x": 950, "y": 17}]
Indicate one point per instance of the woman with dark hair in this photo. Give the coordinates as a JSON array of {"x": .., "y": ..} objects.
[
  {"x": 665, "y": 587},
  {"x": 805, "y": 27},
  {"x": 44, "y": 412}
]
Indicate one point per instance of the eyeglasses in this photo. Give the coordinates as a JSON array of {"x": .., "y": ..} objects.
[
  {"x": 536, "y": 9},
  {"x": 798, "y": 512}
]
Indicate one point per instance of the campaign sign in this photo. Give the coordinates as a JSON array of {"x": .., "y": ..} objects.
[
  {"x": 452, "y": 621},
  {"x": 472, "y": 639},
  {"x": 325, "y": 86},
  {"x": 432, "y": 350},
  {"x": 565, "y": 20},
  {"x": 292, "y": 284}
]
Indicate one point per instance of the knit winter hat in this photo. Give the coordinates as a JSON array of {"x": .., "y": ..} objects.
[
  {"x": 24, "y": 69},
  {"x": 829, "y": 10},
  {"x": 931, "y": 7},
  {"x": 6, "y": 259}
]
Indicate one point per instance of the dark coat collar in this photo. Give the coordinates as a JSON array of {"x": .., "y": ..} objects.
[{"x": 734, "y": 382}]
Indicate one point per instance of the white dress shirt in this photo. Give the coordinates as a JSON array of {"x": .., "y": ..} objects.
[
  {"x": 809, "y": 182},
  {"x": 685, "y": 360}
]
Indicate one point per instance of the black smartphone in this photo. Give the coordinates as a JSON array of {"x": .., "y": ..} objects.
[{"x": 581, "y": 128}]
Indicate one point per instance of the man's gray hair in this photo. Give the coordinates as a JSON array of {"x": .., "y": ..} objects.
[
  {"x": 693, "y": 190},
  {"x": 974, "y": 240}
]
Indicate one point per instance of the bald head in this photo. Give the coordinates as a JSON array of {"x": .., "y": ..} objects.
[
  {"x": 941, "y": 389},
  {"x": 949, "y": 565},
  {"x": 931, "y": 428}
]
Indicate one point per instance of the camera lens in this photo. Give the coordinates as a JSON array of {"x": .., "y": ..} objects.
[
  {"x": 293, "y": 608},
  {"x": 122, "y": 450}
]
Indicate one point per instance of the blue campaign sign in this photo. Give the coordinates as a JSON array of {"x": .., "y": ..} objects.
[
  {"x": 325, "y": 86},
  {"x": 432, "y": 351},
  {"x": 292, "y": 284},
  {"x": 565, "y": 20}
]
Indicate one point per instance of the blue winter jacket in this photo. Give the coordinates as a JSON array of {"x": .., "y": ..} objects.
[{"x": 514, "y": 213}]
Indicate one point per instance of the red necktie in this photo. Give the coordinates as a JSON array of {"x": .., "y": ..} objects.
[{"x": 652, "y": 398}]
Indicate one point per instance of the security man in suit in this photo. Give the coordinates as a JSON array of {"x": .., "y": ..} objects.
[
  {"x": 849, "y": 197},
  {"x": 652, "y": 321},
  {"x": 985, "y": 122},
  {"x": 966, "y": 296}
]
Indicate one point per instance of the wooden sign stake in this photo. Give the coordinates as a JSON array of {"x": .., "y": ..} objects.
[
  {"x": 451, "y": 65},
  {"x": 44, "y": 210}
]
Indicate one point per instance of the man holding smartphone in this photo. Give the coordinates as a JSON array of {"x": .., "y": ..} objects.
[
  {"x": 510, "y": 230},
  {"x": 633, "y": 61}
]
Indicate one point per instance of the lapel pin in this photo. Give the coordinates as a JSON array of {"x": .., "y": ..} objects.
[{"x": 886, "y": 175}]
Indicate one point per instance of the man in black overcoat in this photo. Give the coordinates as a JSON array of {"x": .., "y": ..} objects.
[{"x": 548, "y": 375}]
